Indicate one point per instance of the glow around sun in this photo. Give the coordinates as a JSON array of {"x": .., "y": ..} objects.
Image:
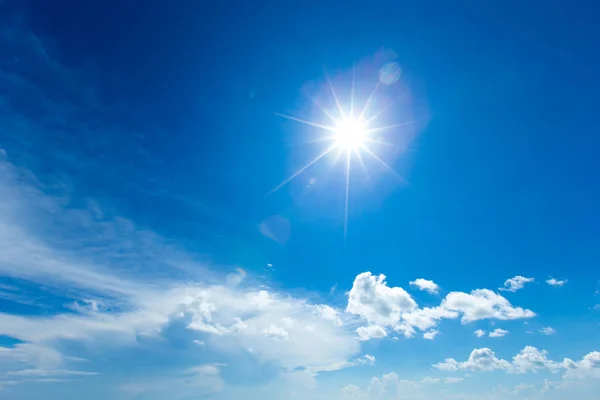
[{"x": 349, "y": 135}]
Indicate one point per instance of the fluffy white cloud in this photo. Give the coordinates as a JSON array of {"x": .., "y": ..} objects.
[
  {"x": 484, "y": 360},
  {"x": 427, "y": 285},
  {"x": 423, "y": 319},
  {"x": 556, "y": 282},
  {"x": 548, "y": 330},
  {"x": 498, "y": 333},
  {"x": 328, "y": 313},
  {"x": 586, "y": 368},
  {"x": 530, "y": 359},
  {"x": 430, "y": 335},
  {"x": 273, "y": 331},
  {"x": 392, "y": 308},
  {"x": 480, "y": 333},
  {"x": 516, "y": 283},
  {"x": 483, "y": 304},
  {"x": 370, "y": 332},
  {"x": 372, "y": 299}
]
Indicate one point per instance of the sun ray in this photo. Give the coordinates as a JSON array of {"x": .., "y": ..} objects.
[
  {"x": 335, "y": 98},
  {"x": 303, "y": 121},
  {"x": 375, "y": 156},
  {"x": 387, "y": 127},
  {"x": 379, "y": 141},
  {"x": 382, "y": 110},
  {"x": 362, "y": 163},
  {"x": 295, "y": 174},
  {"x": 323, "y": 110},
  {"x": 348, "y": 159},
  {"x": 352, "y": 91},
  {"x": 361, "y": 116}
]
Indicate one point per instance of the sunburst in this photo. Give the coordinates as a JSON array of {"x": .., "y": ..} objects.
[{"x": 349, "y": 134}]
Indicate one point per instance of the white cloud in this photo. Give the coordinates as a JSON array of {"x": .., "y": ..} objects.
[
  {"x": 370, "y": 332},
  {"x": 392, "y": 308},
  {"x": 212, "y": 311},
  {"x": 484, "y": 360},
  {"x": 483, "y": 304},
  {"x": 498, "y": 333},
  {"x": 586, "y": 368},
  {"x": 556, "y": 282},
  {"x": 530, "y": 359},
  {"x": 328, "y": 313},
  {"x": 430, "y": 335},
  {"x": 449, "y": 364},
  {"x": 372, "y": 299},
  {"x": 273, "y": 331},
  {"x": 480, "y": 333},
  {"x": 369, "y": 358},
  {"x": 548, "y": 330},
  {"x": 423, "y": 319},
  {"x": 236, "y": 278},
  {"x": 427, "y": 285},
  {"x": 516, "y": 283}
]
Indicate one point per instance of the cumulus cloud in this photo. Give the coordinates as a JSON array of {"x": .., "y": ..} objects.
[
  {"x": 516, "y": 283},
  {"x": 372, "y": 299},
  {"x": 370, "y": 332},
  {"x": 427, "y": 285},
  {"x": 480, "y": 333},
  {"x": 556, "y": 282},
  {"x": 483, "y": 304},
  {"x": 392, "y": 308},
  {"x": 530, "y": 359},
  {"x": 430, "y": 335},
  {"x": 422, "y": 319},
  {"x": 586, "y": 368},
  {"x": 498, "y": 333},
  {"x": 328, "y": 313}
]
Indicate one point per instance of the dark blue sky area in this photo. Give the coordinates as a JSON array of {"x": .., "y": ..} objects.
[{"x": 504, "y": 170}]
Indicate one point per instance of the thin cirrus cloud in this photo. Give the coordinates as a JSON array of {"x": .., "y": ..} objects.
[{"x": 516, "y": 283}]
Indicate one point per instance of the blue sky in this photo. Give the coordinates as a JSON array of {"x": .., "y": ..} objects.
[{"x": 144, "y": 255}]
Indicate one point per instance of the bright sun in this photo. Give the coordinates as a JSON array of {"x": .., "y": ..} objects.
[{"x": 350, "y": 134}]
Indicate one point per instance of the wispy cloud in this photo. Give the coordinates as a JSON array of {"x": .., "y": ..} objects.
[
  {"x": 556, "y": 282},
  {"x": 548, "y": 330},
  {"x": 516, "y": 283}
]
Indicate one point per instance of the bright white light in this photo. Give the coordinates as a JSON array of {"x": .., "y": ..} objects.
[{"x": 350, "y": 134}]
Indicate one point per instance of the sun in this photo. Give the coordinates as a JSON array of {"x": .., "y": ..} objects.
[{"x": 350, "y": 133}]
